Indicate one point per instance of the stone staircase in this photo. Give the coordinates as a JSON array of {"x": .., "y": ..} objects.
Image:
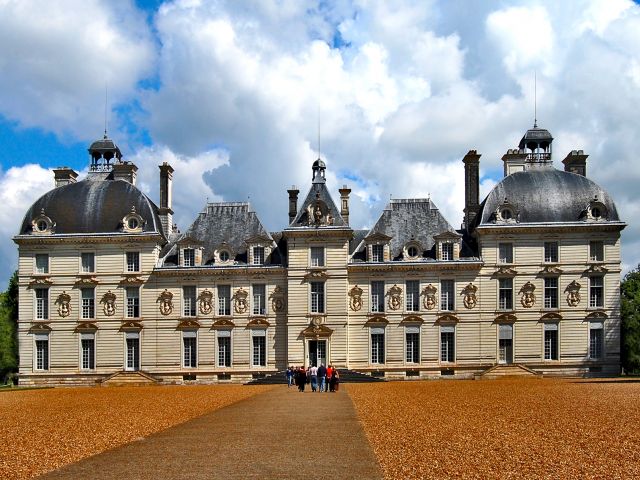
[
  {"x": 124, "y": 378},
  {"x": 508, "y": 370},
  {"x": 346, "y": 376}
]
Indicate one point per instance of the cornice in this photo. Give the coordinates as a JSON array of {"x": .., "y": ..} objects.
[
  {"x": 112, "y": 237},
  {"x": 550, "y": 227},
  {"x": 411, "y": 266},
  {"x": 249, "y": 270}
]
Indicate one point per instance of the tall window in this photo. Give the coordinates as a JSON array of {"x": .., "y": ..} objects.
[
  {"x": 447, "y": 343},
  {"x": 190, "y": 348},
  {"x": 551, "y": 292},
  {"x": 259, "y": 299},
  {"x": 596, "y": 340},
  {"x": 259, "y": 340},
  {"x": 133, "y": 302},
  {"x": 447, "y": 250},
  {"x": 224, "y": 299},
  {"x": 317, "y": 297},
  {"x": 377, "y": 296},
  {"x": 189, "y": 301},
  {"x": 377, "y": 253},
  {"x": 317, "y": 256},
  {"x": 505, "y": 294},
  {"x": 133, "y": 261},
  {"x": 87, "y": 261},
  {"x": 447, "y": 291},
  {"x": 224, "y": 348},
  {"x": 551, "y": 252},
  {"x": 551, "y": 341},
  {"x": 88, "y": 345},
  {"x": 596, "y": 292},
  {"x": 412, "y": 287},
  {"x": 596, "y": 251},
  {"x": 42, "y": 351},
  {"x": 189, "y": 257},
  {"x": 412, "y": 338},
  {"x": 42, "y": 263},
  {"x": 88, "y": 296},
  {"x": 377, "y": 345},
  {"x": 42, "y": 303},
  {"x": 258, "y": 255},
  {"x": 505, "y": 253}
]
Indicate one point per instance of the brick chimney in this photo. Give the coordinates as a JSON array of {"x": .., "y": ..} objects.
[
  {"x": 576, "y": 162},
  {"x": 471, "y": 186},
  {"x": 64, "y": 176},
  {"x": 125, "y": 171},
  {"x": 165, "y": 211},
  {"x": 293, "y": 203},
  {"x": 344, "y": 203}
]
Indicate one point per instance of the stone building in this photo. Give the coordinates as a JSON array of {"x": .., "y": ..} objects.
[{"x": 109, "y": 289}]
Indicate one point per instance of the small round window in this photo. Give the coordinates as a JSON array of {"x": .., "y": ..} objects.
[
  {"x": 506, "y": 214},
  {"x": 412, "y": 251},
  {"x": 224, "y": 256},
  {"x": 133, "y": 223},
  {"x": 42, "y": 226},
  {"x": 596, "y": 212}
]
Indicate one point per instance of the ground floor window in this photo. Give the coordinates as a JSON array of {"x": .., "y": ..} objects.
[
  {"x": 132, "y": 361},
  {"x": 447, "y": 343},
  {"x": 190, "y": 349},
  {"x": 377, "y": 345},
  {"x": 505, "y": 343},
  {"x": 259, "y": 340},
  {"x": 224, "y": 348},
  {"x": 551, "y": 341},
  {"x": 412, "y": 335},
  {"x": 88, "y": 346},
  {"x": 42, "y": 351},
  {"x": 596, "y": 340}
]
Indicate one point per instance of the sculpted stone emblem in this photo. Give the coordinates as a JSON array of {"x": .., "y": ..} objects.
[
  {"x": 109, "y": 303},
  {"x": 64, "y": 304},
  {"x": 240, "y": 304},
  {"x": 429, "y": 293},
  {"x": 316, "y": 215},
  {"x": 355, "y": 298},
  {"x": 528, "y": 299},
  {"x": 573, "y": 294},
  {"x": 395, "y": 298},
  {"x": 206, "y": 302},
  {"x": 166, "y": 302},
  {"x": 277, "y": 299},
  {"x": 470, "y": 300}
]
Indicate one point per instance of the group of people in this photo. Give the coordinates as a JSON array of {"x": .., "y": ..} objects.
[{"x": 321, "y": 379}]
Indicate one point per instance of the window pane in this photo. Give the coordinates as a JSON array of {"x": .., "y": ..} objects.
[
  {"x": 224, "y": 351},
  {"x": 133, "y": 302},
  {"x": 317, "y": 297},
  {"x": 42, "y": 263},
  {"x": 259, "y": 351},
  {"x": 224, "y": 299},
  {"x": 317, "y": 256},
  {"x": 413, "y": 348},
  {"x": 42, "y": 303},
  {"x": 596, "y": 336},
  {"x": 88, "y": 262},
  {"x": 413, "y": 295},
  {"x": 189, "y": 255},
  {"x": 88, "y": 353},
  {"x": 377, "y": 253},
  {"x": 596, "y": 292},
  {"x": 190, "y": 351},
  {"x": 505, "y": 292},
  {"x": 88, "y": 302},
  {"x": 551, "y": 292},
  {"x": 258, "y": 255},
  {"x": 189, "y": 301},
  {"x": 551, "y": 252},
  {"x": 259, "y": 300},
  {"x": 377, "y": 296},
  {"x": 447, "y": 251},
  {"x": 447, "y": 352},
  {"x": 377, "y": 348},
  {"x": 551, "y": 344},
  {"x": 447, "y": 288},
  {"x": 505, "y": 253},
  {"x": 133, "y": 261},
  {"x": 42, "y": 354},
  {"x": 596, "y": 251}
]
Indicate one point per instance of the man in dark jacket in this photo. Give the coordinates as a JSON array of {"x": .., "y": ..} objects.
[{"x": 322, "y": 377}]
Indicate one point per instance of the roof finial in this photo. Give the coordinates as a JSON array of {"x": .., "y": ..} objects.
[
  {"x": 105, "y": 109},
  {"x": 535, "y": 99},
  {"x": 318, "y": 130}
]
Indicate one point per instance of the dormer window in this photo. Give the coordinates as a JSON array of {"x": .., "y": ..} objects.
[
  {"x": 132, "y": 222},
  {"x": 224, "y": 253},
  {"x": 506, "y": 213},
  {"x": 42, "y": 224},
  {"x": 258, "y": 256},
  {"x": 447, "y": 251},
  {"x": 412, "y": 251},
  {"x": 224, "y": 256},
  {"x": 377, "y": 253},
  {"x": 189, "y": 257}
]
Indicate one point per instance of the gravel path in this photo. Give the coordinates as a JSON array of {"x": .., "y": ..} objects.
[{"x": 278, "y": 434}]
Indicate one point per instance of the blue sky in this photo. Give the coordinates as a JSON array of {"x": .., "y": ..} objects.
[{"x": 231, "y": 94}]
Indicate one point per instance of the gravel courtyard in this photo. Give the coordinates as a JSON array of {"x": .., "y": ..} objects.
[{"x": 534, "y": 428}]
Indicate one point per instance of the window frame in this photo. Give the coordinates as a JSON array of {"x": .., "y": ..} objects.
[
  {"x": 46, "y": 303},
  {"x": 262, "y": 312},
  {"x": 192, "y": 257},
  {"x": 548, "y": 257},
  {"x": 136, "y": 305},
  {"x": 46, "y": 359},
  {"x": 378, "y": 306},
  {"x": 592, "y": 257},
  {"x": 510, "y": 259},
  {"x": 41, "y": 271},
  {"x": 377, "y": 252},
  {"x": 261, "y": 259},
  {"x": 592, "y": 289},
  {"x": 193, "y": 307},
  {"x": 93, "y": 261},
  {"x": 192, "y": 336},
  {"x": 505, "y": 290},
  {"x": 126, "y": 261},
  {"x": 551, "y": 328},
  {"x": 227, "y": 300},
  {"x": 414, "y": 299},
  {"x": 598, "y": 326},
  {"x": 446, "y": 251},
  {"x": 452, "y": 299},
  {"x": 92, "y": 357},
  {"x": 549, "y": 289},
  {"x": 451, "y": 352},
  {"x": 92, "y": 303},
  {"x": 314, "y": 261},
  {"x": 228, "y": 334},
  {"x": 380, "y": 356},
  {"x": 410, "y": 330},
  {"x": 319, "y": 306},
  {"x": 259, "y": 333}
]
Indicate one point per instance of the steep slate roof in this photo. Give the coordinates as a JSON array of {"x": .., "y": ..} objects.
[
  {"x": 93, "y": 205},
  {"x": 545, "y": 195},
  {"x": 414, "y": 219},
  {"x": 318, "y": 191},
  {"x": 226, "y": 222}
]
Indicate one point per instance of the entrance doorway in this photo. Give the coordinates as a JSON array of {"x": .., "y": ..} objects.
[
  {"x": 317, "y": 353},
  {"x": 505, "y": 344},
  {"x": 133, "y": 352}
]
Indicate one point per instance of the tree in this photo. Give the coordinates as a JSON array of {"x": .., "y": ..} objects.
[
  {"x": 9, "y": 328},
  {"x": 630, "y": 312}
]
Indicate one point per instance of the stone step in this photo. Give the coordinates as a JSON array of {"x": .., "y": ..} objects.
[{"x": 123, "y": 378}]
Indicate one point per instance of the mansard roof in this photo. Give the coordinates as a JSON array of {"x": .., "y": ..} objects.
[{"x": 318, "y": 196}]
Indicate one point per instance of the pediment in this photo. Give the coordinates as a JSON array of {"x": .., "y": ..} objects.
[
  {"x": 376, "y": 320},
  {"x": 88, "y": 280},
  {"x": 505, "y": 271},
  {"x": 377, "y": 237},
  {"x": 447, "y": 235},
  {"x": 258, "y": 239},
  {"x": 412, "y": 319},
  {"x": 315, "y": 331},
  {"x": 40, "y": 282},
  {"x": 551, "y": 317},
  {"x": 39, "y": 328},
  {"x": 596, "y": 269},
  {"x": 86, "y": 327},
  {"x": 131, "y": 326},
  {"x": 447, "y": 318},
  {"x": 258, "y": 322},
  {"x": 188, "y": 324},
  {"x": 131, "y": 280},
  {"x": 223, "y": 323},
  {"x": 316, "y": 275},
  {"x": 597, "y": 315},
  {"x": 188, "y": 240},
  {"x": 506, "y": 318}
]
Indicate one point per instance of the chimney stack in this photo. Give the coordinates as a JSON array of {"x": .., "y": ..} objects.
[
  {"x": 165, "y": 211},
  {"x": 576, "y": 162},
  {"x": 293, "y": 203},
  {"x": 471, "y": 186},
  {"x": 125, "y": 171},
  {"x": 514, "y": 161},
  {"x": 64, "y": 176},
  {"x": 344, "y": 203}
]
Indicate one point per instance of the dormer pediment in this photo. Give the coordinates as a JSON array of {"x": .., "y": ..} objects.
[
  {"x": 377, "y": 237},
  {"x": 258, "y": 240},
  {"x": 187, "y": 240},
  {"x": 447, "y": 235}
]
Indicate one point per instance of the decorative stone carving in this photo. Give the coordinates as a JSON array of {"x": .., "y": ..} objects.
[
  {"x": 42, "y": 224},
  {"x": 316, "y": 275},
  {"x": 205, "y": 301},
  {"x": 86, "y": 281},
  {"x": 506, "y": 271},
  {"x": 470, "y": 300},
  {"x": 355, "y": 298},
  {"x": 109, "y": 303},
  {"x": 573, "y": 294},
  {"x": 597, "y": 269},
  {"x": 40, "y": 282},
  {"x": 240, "y": 303},
  {"x": 429, "y": 293},
  {"x": 318, "y": 214},
  {"x": 277, "y": 299},
  {"x": 131, "y": 279},
  {"x": 316, "y": 331},
  {"x": 64, "y": 304},
  {"x": 528, "y": 298},
  {"x": 550, "y": 270},
  {"x": 395, "y": 298},
  {"x": 188, "y": 324},
  {"x": 166, "y": 302}
]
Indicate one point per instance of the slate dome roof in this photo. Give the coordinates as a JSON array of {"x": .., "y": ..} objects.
[
  {"x": 547, "y": 196},
  {"x": 93, "y": 206},
  {"x": 319, "y": 164}
]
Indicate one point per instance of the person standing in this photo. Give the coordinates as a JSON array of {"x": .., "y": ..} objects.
[
  {"x": 313, "y": 372},
  {"x": 303, "y": 378},
  {"x": 322, "y": 377},
  {"x": 329, "y": 373},
  {"x": 334, "y": 380},
  {"x": 289, "y": 376}
]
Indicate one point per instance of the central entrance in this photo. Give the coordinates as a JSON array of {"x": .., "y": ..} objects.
[
  {"x": 133, "y": 352},
  {"x": 317, "y": 353},
  {"x": 505, "y": 344}
]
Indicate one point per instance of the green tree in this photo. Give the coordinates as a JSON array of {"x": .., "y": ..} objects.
[
  {"x": 630, "y": 310},
  {"x": 9, "y": 328}
]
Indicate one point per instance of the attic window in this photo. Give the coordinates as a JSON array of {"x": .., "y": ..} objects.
[
  {"x": 596, "y": 210},
  {"x": 42, "y": 224},
  {"x": 506, "y": 214},
  {"x": 412, "y": 251},
  {"x": 224, "y": 256},
  {"x": 132, "y": 222}
]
